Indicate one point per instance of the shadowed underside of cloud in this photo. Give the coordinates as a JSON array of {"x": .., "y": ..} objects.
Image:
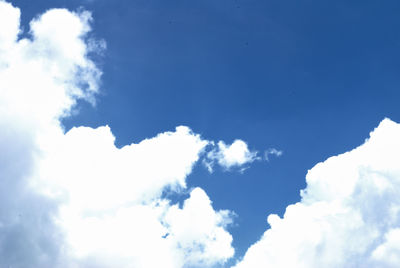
[{"x": 75, "y": 200}]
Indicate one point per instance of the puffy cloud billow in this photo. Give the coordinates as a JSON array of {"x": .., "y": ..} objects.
[
  {"x": 349, "y": 213},
  {"x": 236, "y": 155}
]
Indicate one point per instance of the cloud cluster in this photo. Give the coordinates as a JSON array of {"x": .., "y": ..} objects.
[
  {"x": 349, "y": 214},
  {"x": 74, "y": 199}
]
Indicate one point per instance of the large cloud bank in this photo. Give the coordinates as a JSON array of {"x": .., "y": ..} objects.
[
  {"x": 349, "y": 214},
  {"x": 74, "y": 199}
]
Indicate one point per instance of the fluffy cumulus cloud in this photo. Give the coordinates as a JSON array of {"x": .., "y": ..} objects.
[
  {"x": 349, "y": 214},
  {"x": 73, "y": 199},
  {"x": 236, "y": 155},
  {"x": 40, "y": 79}
]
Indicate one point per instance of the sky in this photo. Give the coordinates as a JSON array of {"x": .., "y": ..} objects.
[{"x": 206, "y": 133}]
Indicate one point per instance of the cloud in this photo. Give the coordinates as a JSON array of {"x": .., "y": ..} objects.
[
  {"x": 230, "y": 156},
  {"x": 272, "y": 151},
  {"x": 199, "y": 230},
  {"x": 349, "y": 214},
  {"x": 73, "y": 199},
  {"x": 122, "y": 175},
  {"x": 117, "y": 193},
  {"x": 38, "y": 85}
]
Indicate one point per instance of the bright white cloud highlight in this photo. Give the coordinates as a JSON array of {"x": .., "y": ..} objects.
[
  {"x": 74, "y": 199},
  {"x": 199, "y": 230},
  {"x": 230, "y": 156},
  {"x": 117, "y": 193},
  {"x": 349, "y": 215},
  {"x": 137, "y": 172}
]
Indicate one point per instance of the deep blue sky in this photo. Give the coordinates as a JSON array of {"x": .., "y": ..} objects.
[{"x": 311, "y": 78}]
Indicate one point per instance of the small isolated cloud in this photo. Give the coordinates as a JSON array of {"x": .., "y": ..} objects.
[
  {"x": 236, "y": 155},
  {"x": 272, "y": 152},
  {"x": 348, "y": 216}
]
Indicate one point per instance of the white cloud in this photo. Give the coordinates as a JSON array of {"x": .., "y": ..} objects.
[
  {"x": 349, "y": 215},
  {"x": 229, "y": 156},
  {"x": 132, "y": 235},
  {"x": 272, "y": 151},
  {"x": 137, "y": 172},
  {"x": 37, "y": 86},
  {"x": 117, "y": 193},
  {"x": 199, "y": 230},
  {"x": 74, "y": 199}
]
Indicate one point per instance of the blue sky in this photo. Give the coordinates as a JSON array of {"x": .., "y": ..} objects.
[{"x": 309, "y": 78}]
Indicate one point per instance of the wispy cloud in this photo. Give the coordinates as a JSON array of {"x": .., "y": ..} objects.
[{"x": 272, "y": 152}]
